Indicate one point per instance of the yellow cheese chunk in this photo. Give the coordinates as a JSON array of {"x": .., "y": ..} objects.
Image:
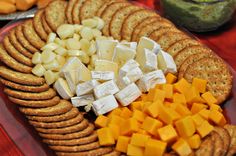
[
  {"x": 167, "y": 133},
  {"x": 197, "y": 120},
  {"x": 142, "y": 131},
  {"x": 136, "y": 105},
  {"x": 182, "y": 110},
  {"x": 210, "y": 99},
  {"x": 115, "y": 119},
  {"x": 138, "y": 115},
  {"x": 155, "y": 148},
  {"x": 204, "y": 129},
  {"x": 179, "y": 98},
  {"x": 151, "y": 94},
  {"x": 151, "y": 125},
  {"x": 197, "y": 107},
  {"x": 101, "y": 121},
  {"x": 144, "y": 97},
  {"x": 122, "y": 144},
  {"x": 182, "y": 147},
  {"x": 182, "y": 86},
  {"x": 135, "y": 150},
  {"x": 145, "y": 106},
  {"x": 43, "y": 3},
  {"x": 194, "y": 141},
  {"x": 24, "y": 5},
  {"x": 139, "y": 139},
  {"x": 170, "y": 78},
  {"x": 9, "y": 1},
  {"x": 6, "y": 7},
  {"x": 192, "y": 95},
  {"x": 185, "y": 127},
  {"x": 168, "y": 115},
  {"x": 116, "y": 111},
  {"x": 159, "y": 95},
  {"x": 115, "y": 130},
  {"x": 199, "y": 84},
  {"x": 168, "y": 88},
  {"x": 216, "y": 107},
  {"x": 129, "y": 126},
  {"x": 217, "y": 117},
  {"x": 153, "y": 109},
  {"x": 204, "y": 113},
  {"x": 126, "y": 113},
  {"x": 105, "y": 137}
]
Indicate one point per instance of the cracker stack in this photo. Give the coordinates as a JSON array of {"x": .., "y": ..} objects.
[{"x": 60, "y": 124}]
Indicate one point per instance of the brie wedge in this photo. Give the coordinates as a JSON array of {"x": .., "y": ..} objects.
[
  {"x": 83, "y": 100},
  {"x": 71, "y": 79},
  {"x": 132, "y": 45},
  {"x": 63, "y": 89},
  {"x": 103, "y": 75},
  {"x": 86, "y": 87},
  {"x": 123, "y": 54},
  {"x": 104, "y": 65},
  {"x": 128, "y": 66},
  {"x": 105, "y": 49},
  {"x": 166, "y": 62},
  {"x": 104, "y": 89}
]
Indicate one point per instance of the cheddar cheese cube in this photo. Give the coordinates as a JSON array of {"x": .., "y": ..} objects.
[
  {"x": 182, "y": 86},
  {"x": 151, "y": 94},
  {"x": 215, "y": 107},
  {"x": 115, "y": 111},
  {"x": 115, "y": 130},
  {"x": 167, "y": 133},
  {"x": 153, "y": 109},
  {"x": 101, "y": 121},
  {"x": 197, "y": 107},
  {"x": 194, "y": 141},
  {"x": 126, "y": 113},
  {"x": 179, "y": 98},
  {"x": 138, "y": 115},
  {"x": 116, "y": 120},
  {"x": 182, "y": 147},
  {"x": 139, "y": 139},
  {"x": 192, "y": 95},
  {"x": 105, "y": 137},
  {"x": 170, "y": 78},
  {"x": 210, "y": 99},
  {"x": 217, "y": 117},
  {"x": 168, "y": 115},
  {"x": 182, "y": 110},
  {"x": 136, "y": 105},
  {"x": 204, "y": 129},
  {"x": 159, "y": 95},
  {"x": 185, "y": 127},
  {"x": 25, "y": 4},
  {"x": 129, "y": 126},
  {"x": 168, "y": 88},
  {"x": 145, "y": 106},
  {"x": 151, "y": 125},
  {"x": 144, "y": 97},
  {"x": 135, "y": 150},
  {"x": 200, "y": 84},
  {"x": 197, "y": 120},
  {"x": 122, "y": 144},
  {"x": 155, "y": 148},
  {"x": 204, "y": 113},
  {"x": 142, "y": 131}
]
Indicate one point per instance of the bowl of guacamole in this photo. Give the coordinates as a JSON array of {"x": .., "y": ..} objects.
[{"x": 199, "y": 15}]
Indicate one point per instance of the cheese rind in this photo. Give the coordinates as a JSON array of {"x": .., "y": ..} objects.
[
  {"x": 105, "y": 49},
  {"x": 103, "y": 75},
  {"x": 63, "y": 89},
  {"x": 104, "y": 65},
  {"x": 104, "y": 89},
  {"x": 86, "y": 87},
  {"x": 83, "y": 100},
  {"x": 166, "y": 62},
  {"x": 122, "y": 54}
]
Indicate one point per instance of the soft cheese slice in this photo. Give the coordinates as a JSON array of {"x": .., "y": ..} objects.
[
  {"x": 73, "y": 63},
  {"x": 72, "y": 79},
  {"x": 63, "y": 89},
  {"x": 104, "y": 65},
  {"x": 166, "y": 62},
  {"x": 104, "y": 89},
  {"x": 103, "y": 75},
  {"x": 132, "y": 45},
  {"x": 86, "y": 87},
  {"x": 148, "y": 62},
  {"x": 123, "y": 54},
  {"x": 129, "y": 94},
  {"x": 128, "y": 66},
  {"x": 105, "y": 105},
  {"x": 150, "y": 80},
  {"x": 83, "y": 100},
  {"x": 105, "y": 49},
  {"x": 84, "y": 73}
]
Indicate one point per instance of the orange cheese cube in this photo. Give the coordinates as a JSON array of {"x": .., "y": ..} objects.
[
  {"x": 126, "y": 113},
  {"x": 6, "y": 7},
  {"x": 185, "y": 127},
  {"x": 169, "y": 104},
  {"x": 151, "y": 125},
  {"x": 153, "y": 109},
  {"x": 197, "y": 120},
  {"x": 135, "y": 150},
  {"x": 139, "y": 139},
  {"x": 194, "y": 141},
  {"x": 210, "y": 99},
  {"x": 101, "y": 121},
  {"x": 122, "y": 144},
  {"x": 170, "y": 78},
  {"x": 105, "y": 136},
  {"x": 200, "y": 84},
  {"x": 144, "y": 97},
  {"x": 182, "y": 147},
  {"x": 159, "y": 95},
  {"x": 9, "y": 1},
  {"x": 217, "y": 117},
  {"x": 115, "y": 130},
  {"x": 215, "y": 107},
  {"x": 182, "y": 86},
  {"x": 167, "y": 133},
  {"x": 204, "y": 113},
  {"x": 24, "y": 5},
  {"x": 116, "y": 120},
  {"x": 138, "y": 115},
  {"x": 141, "y": 131},
  {"x": 204, "y": 129},
  {"x": 168, "y": 115},
  {"x": 151, "y": 94},
  {"x": 43, "y": 3},
  {"x": 168, "y": 88},
  {"x": 129, "y": 126},
  {"x": 179, "y": 98},
  {"x": 182, "y": 110},
  {"x": 197, "y": 107},
  {"x": 116, "y": 111},
  {"x": 192, "y": 95},
  {"x": 155, "y": 148},
  {"x": 136, "y": 105},
  {"x": 145, "y": 106}
]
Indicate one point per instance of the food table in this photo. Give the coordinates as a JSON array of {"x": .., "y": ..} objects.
[{"x": 221, "y": 41}]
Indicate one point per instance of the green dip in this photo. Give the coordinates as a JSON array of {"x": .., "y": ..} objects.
[{"x": 199, "y": 15}]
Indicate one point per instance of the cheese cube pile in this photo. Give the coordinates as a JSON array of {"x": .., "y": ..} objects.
[{"x": 175, "y": 114}]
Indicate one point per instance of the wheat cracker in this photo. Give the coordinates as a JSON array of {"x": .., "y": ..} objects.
[
  {"x": 156, "y": 34},
  {"x": 76, "y": 11},
  {"x": 46, "y": 27},
  {"x": 218, "y": 144},
  {"x": 95, "y": 152},
  {"x": 68, "y": 11},
  {"x": 38, "y": 26},
  {"x": 206, "y": 148}
]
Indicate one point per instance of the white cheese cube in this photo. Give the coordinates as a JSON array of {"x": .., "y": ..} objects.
[
  {"x": 53, "y": 65},
  {"x": 61, "y": 51},
  {"x": 105, "y": 49},
  {"x": 86, "y": 33},
  {"x": 76, "y": 53},
  {"x": 96, "y": 33},
  {"x": 38, "y": 70},
  {"x": 65, "y": 31},
  {"x": 47, "y": 56},
  {"x": 150, "y": 80},
  {"x": 104, "y": 89},
  {"x": 76, "y": 36},
  {"x": 36, "y": 59},
  {"x": 73, "y": 44},
  {"x": 50, "y": 47},
  {"x": 92, "y": 23},
  {"x": 63, "y": 89},
  {"x": 103, "y": 75},
  {"x": 51, "y": 37},
  {"x": 72, "y": 63},
  {"x": 128, "y": 66},
  {"x": 86, "y": 87},
  {"x": 135, "y": 74},
  {"x": 104, "y": 65},
  {"x": 100, "y": 23},
  {"x": 84, "y": 74},
  {"x": 93, "y": 60},
  {"x": 83, "y": 100},
  {"x": 92, "y": 48},
  {"x": 50, "y": 77},
  {"x": 78, "y": 28},
  {"x": 71, "y": 79},
  {"x": 123, "y": 54},
  {"x": 147, "y": 43},
  {"x": 61, "y": 60},
  {"x": 132, "y": 45},
  {"x": 166, "y": 62},
  {"x": 60, "y": 42},
  {"x": 129, "y": 94},
  {"x": 84, "y": 44},
  {"x": 149, "y": 61}
]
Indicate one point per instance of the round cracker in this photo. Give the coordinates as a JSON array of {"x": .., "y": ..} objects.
[
  {"x": 31, "y": 35},
  {"x": 108, "y": 13},
  {"x": 232, "y": 132},
  {"x": 118, "y": 19},
  {"x": 38, "y": 26},
  {"x": 218, "y": 144},
  {"x": 76, "y": 11},
  {"x": 66, "y": 116},
  {"x": 206, "y": 148},
  {"x": 50, "y": 93},
  {"x": 66, "y": 130},
  {"x": 180, "y": 45},
  {"x": 55, "y": 14},
  {"x": 217, "y": 74},
  {"x": 87, "y": 131},
  {"x": 24, "y": 42},
  {"x": 98, "y": 151},
  {"x": 15, "y": 53},
  {"x": 156, "y": 34},
  {"x": 46, "y": 27},
  {"x": 12, "y": 63},
  {"x": 62, "y": 107},
  {"x": 104, "y": 6},
  {"x": 26, "y": 88},
  {"x": 81, "y": 141},
  {"x": 133, "y": 20},
  {"x": 36, "y": 103},
  {"x": 68, "y": 11},
  {"x": 21, "y": 78},
  {"x": 17, "y": 45},
  {"x": 113, "y": 153}
]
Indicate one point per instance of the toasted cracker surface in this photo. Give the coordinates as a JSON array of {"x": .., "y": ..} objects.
[
  {"x": 206, "y": 148},
  {"x": 46, "y": 27},
  {"x": 156, "y": 34},
  {"x": 232, "y": 132},
  {"x": 98, "y": 151},
  {"x": 69, "y": 10},
  {"x": 38, "y": 26},
  {"x": 76, "y": 11},
  {"x": 224, "y": 134},
  {"x": 218, "y": 144}
]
